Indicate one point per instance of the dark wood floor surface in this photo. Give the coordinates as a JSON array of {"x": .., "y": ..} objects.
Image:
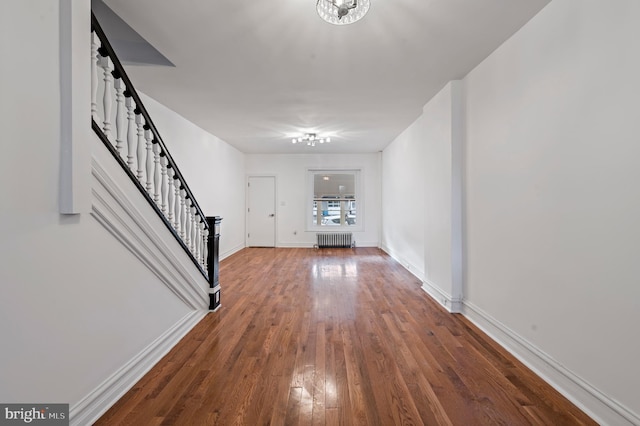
[{"x": 335, "y": 337}]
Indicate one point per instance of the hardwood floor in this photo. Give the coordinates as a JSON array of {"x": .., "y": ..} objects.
[{"x": 336, "y": 337}]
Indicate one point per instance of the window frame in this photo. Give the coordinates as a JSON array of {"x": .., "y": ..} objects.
[{"x": 311, "y": 225}]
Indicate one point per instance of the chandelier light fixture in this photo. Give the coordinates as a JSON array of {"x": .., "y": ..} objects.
[
  {"x": 342, "y": 12},
  {"x": 310, "y": 139}
]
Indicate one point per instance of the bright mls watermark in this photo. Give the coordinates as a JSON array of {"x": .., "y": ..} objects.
[{"x": 36, "y": 414}]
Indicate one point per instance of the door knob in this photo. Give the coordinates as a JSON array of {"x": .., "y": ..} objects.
[{"x": 272, "y": 215}]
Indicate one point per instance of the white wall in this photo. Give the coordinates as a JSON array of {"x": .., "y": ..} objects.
[
  {"x": 442, "y": 214},
  {"x": 403, "y": 192},
  {"x": 81, "y": 315},
  {"x": 421, "y": 189},
  {"x": 213, "y": 169},
  {"x": 552, "y": 198},
  {"x": 550, "y": 128},
  {"x": 291, "y": 186},
  {"x": 437, "y": 213}
]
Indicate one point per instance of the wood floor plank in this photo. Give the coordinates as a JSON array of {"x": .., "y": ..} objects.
[
  {"x": 335, "y": 337},
  {"x": 319, "y": 379},
  {"x": 293, "y": 406}
]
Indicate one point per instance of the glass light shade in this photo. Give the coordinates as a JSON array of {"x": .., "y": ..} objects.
[
  {"x": 311, "y": 139},
  {"x": 328, "y": 10}
]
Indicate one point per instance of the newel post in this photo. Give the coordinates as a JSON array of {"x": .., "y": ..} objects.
[{"x": 213, "y": 261}]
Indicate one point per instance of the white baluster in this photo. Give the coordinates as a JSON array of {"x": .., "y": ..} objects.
[
  {"x": 156, "y": 172},
  {"x": 196, "y": 228},
  {"x": 140, "y": 147},
  {"x": 196, "y": 235},
  {"x": 95, "y": 42},
  {"x": 205, "y": 251},
  {"x": 170, "y": 195},
  {"x": 203, "y": 243},
  {"x": 163, "y": 184},
  {"x": 187, "y": 229},
  {"x": 199, "y": 229},
  {"x": 119, "y": 86},
  {"x": 176, "y": 216},
  {"x": 105, "y": 63},
  {"x": 132, "y": 129},
  {"x": 198, "y": 240},
  {"x": 148, "y": 136},
  {"x": 192, "y": 216},
  {"x": 183, "y": 195}
]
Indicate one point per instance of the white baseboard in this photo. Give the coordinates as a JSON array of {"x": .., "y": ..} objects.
[
  {"x": 366, "y": 243},
  {"x": 452, "y": 305},
  {"x": 94, "y": 405},
  {"x": 596, "y": 404},
  {"x": 294, "y": 245},
  {"x": 231, "y": 251},
  {"x": 311, "y": 244},
  {"x": 415, "y": 270},
  {"x": 599, "y": 406}
]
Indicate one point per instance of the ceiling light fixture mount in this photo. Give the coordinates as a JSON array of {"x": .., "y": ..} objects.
[
  {"x": 342, "y": 12},
  {"x": 310, "y": 139}
]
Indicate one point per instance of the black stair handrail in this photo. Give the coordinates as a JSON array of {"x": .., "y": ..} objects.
[{"x": 119, "y": 72}]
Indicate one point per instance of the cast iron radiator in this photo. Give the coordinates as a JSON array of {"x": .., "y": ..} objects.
[{"x": 335, "y": 239}]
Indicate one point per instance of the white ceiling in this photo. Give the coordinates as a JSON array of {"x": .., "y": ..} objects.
[{"x": 257, "y": 73}]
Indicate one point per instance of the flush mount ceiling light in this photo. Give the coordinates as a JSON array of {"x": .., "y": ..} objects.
[
  {"x": 342, "y": 12},
  {"x": 310, "y": 139}
]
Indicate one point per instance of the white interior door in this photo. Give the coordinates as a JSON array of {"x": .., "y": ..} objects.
[{"x": 261, "y": 211}]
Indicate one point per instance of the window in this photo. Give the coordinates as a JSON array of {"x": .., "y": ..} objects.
[{"x": 333, "y": 197}]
